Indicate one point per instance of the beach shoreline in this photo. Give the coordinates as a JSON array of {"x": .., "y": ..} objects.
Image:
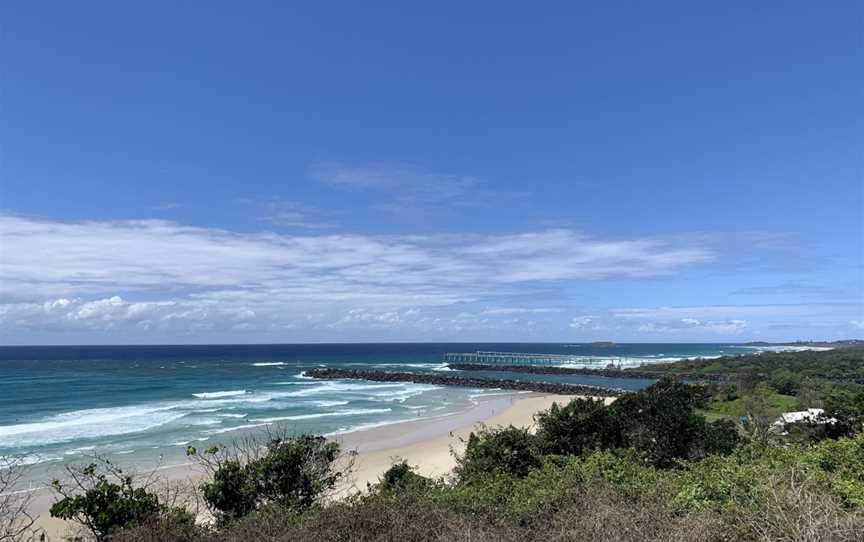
[{"x": 427, "y": 444}]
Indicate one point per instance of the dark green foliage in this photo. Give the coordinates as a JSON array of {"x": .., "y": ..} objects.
[
  {"x": 721, "y": 437},
  {"x": 784, "y": 381},
  {"x": 847, "y": 410},
  {"x": 233, "y": 491},
  {"x": 510, "y": 450},
  {"x": 579, "y": 426},
  {"x": 105, "y": 502},
  {"x": 762, "y": 366},
  {"x": 295, "y": 472},
  {"x": 292, "y": 473},
  {"x": 401, "y": 476},
  {"x": 660, "y": 423},
  {"x": 792, "y": 493}
]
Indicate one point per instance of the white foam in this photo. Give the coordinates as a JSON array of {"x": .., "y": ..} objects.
[
  {"x": 401, "y": 396},
  {"x": 81, "y": 450},
  {"x": 228, "y": 429},
  {"x": 336, "y": 386},
  {"x": 89, "y": 423},
  {"x": 356, "y": 412},
  {"x": 329, "y": 403},
  {"x": 269, "y": 364},
  {"x": 33, "y": 459},
  {"x": 365, "y": 426},
  {"x": 790, "y": 348},
  {"x": 219, "y": 394}
]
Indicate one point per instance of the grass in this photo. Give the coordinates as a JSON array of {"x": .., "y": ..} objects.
[{"x": 776, "y": 404}]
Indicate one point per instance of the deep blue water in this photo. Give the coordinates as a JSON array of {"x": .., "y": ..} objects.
[{"x": 59, "y": 402}]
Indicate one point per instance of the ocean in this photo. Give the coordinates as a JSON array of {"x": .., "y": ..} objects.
[{"x": 59, "y": 404}]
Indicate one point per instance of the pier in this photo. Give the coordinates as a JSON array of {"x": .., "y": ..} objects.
[{"x": 527, "y": 358}]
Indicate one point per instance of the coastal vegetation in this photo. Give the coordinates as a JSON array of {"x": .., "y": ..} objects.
[{"x": 648, "y": 466}]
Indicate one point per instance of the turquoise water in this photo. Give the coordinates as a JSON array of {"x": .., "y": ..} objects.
[{"x": 58, "y": 404}]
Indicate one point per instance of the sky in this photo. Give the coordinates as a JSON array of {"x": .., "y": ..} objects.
[{"x": 223, "y": 172}]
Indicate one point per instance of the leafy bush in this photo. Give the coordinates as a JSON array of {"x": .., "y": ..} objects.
[
  {"x": 660, "y": 423},
  {"x": 839, "y": 465},
  {"x": 845, "y": 409},
  {"x": 104, "y": 499},
  {"x": 789, "y": 493},
  {"x": 510, "y": 450},
  {"x": 784, "y": 381},
  {"x": 401, "y": 476},
  {"x": 291, "y": 472},
  {"x": 579, "y": 426}
]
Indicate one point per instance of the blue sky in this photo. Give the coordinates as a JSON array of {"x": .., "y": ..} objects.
[{"x": 274, "y": 172}]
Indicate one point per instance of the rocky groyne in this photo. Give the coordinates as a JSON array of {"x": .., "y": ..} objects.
[
  {"x": 465, "y": 381},
  {"x": 608, "y": 373}
]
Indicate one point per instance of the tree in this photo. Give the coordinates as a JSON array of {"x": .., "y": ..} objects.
[
  {"x": 581, "y": 425},
  {"x": 292, "y": 472},
  {"x": 785, "y": 381},
  {"x": 105, "y": 499},
  {"x": 809, "y": 394},
  {"x": 401, "y": 476},
  {"x": 758, "y": 421},
  {"x": 844, "y": 412},
  {"x": 16, "y": 522},
  {"x": 660, "y": 423},
  {"x": 509, "y": 450}
]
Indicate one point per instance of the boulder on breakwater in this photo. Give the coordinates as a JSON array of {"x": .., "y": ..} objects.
[
  {"x": 465, "y": 381},
  {"x": 607, "y": 373}
]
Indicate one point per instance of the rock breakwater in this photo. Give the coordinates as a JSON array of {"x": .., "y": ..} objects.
[{"x": 465, "y": 381}]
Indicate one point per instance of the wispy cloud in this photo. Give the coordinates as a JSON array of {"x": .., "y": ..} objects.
[
  {"x": 793, "y": 289},
  {"x": 294, "y": 214},
  {"x": 731, "y": 311},
  {"x": 166, "y": 206},
  {"x": 687, "y": 325},
  {"x": 730, "y": 320},
  {"x": 586, "y": 322},
  {"x": 88, "y": 272},
  {"x": 499, "y": 311},
  {"x": 403, "y": 187}
]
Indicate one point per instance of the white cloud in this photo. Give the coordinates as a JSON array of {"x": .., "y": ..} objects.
[
  {"x": 499, "y": 311},
  {"x": 158, "y": 276},
  {"x": 586, "y": 322},
  {"x": 282, "y": 212},
  {"x": 167, "y": 206},
  {"x": 689, "y": 325},
  {"x": 406, "y": 188},
  {"x": 704, "y": 312}
]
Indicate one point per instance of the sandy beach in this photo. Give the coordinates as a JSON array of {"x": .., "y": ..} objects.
[{"x": 427, "y": 444}]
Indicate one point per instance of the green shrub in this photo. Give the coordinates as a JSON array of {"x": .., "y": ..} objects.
[
  {"x": 840, "y": 465},
  {"x": 660, "y": 423},
  {"x": 292, "y": 472},
  {"x": 104, "y": 500},
  {"x": 845, "y": 409},
  {"x": 579, "y": 426},
  {"x": 401, "y": 476},
  {"x": 510, "y": 450}
]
